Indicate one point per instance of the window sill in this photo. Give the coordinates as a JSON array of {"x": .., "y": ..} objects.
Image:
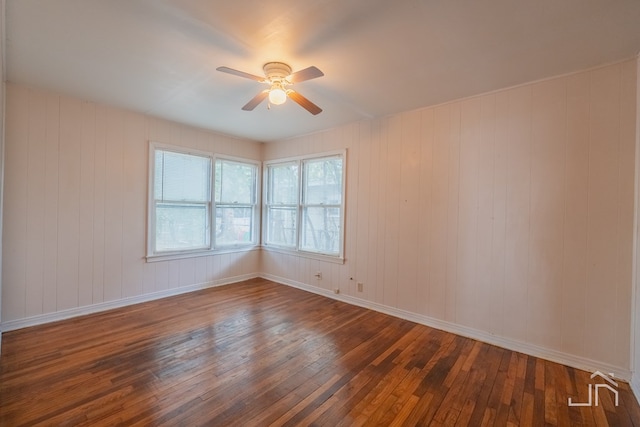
[
  {"x": 200, "y": 253},
  {"x": 303, "y": 254}
]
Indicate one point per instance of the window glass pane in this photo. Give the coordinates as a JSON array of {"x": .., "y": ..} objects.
[
  {"x": 158, "y": 173},
  {"x": 235, "y": 182},
  {"x": 283, "y": 184},
  {"x": 323, "y": 181},
  {"x": 321, "y": 230},
  {"x": 281, "y": 229},
  {"x": 180, "y": 227},
  {"x": 233, "y": 225},
  {"x": 182, "y": 177}
]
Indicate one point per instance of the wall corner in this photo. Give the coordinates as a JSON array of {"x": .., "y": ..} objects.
[{"x": 635, "y": 288}]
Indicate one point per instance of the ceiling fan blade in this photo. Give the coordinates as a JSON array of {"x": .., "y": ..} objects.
[
  {"x": 306, "y": 74},
  {"x": 305, "y": 103},
  {"x": 240, "y": 74},
  {"x": 256, "y": 100}
]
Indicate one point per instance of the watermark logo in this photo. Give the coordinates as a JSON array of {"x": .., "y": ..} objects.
[{"x": 610, "y": 385}]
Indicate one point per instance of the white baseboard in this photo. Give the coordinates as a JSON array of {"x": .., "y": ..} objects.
[
  {"x": 108, "y": 305},
  {"x": 510, "y": 344},
  {"x": 635, "y": 386}
]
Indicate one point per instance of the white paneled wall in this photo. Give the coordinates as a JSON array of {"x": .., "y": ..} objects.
[
  {"x": 76, "y": 203},
  {"x": 509, "y": 213}
]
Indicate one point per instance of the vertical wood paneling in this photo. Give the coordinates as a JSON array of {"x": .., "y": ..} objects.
[
  {"x": 437, "y": 264},
  {"x": 348, "y": 139},
  {"x": 114, "y": 209},
  {"x": 496, "y": 292},
  {"x": 135, "y": 173},
  {"x": 35, "y": 208},
  {"x": 252, "y": 262},
  {"x": 162, "y": 276},
  {"x": 236, "y": 264},
  {"x": 488, "y": 288},
  {"x": 296, "y": 269},
  {"x": 382, "y": 140},
  {"x": 363, "y": 221},
  {"x": 186, "y": 271},
  {"x": 69, "y": 202},
  {"x": 409, "y": 217},
  {"x": 547, "y": 212},
  {"x": 76, "y": 200},
  {"x": 173, "y": 276},
  {"x": 99, "y": 192},
  {"x": 225, "y": 265},
  {"x": 393, "y": 128},
  {"x": 467, "y": 245},
  {"x": 629, "y": 74},
  {"x": 521, "y": 206},
  {"x": 87, "y": 185},
  {"x": 50, "y": 290},
  {"x": 518, "y": 122},
  {"x": 425, "y": 212},
  {"x": 213, "y": 268},
  {"x": 15, "y": 204},
  {"x": 575, "y": 215},
  {"x": 374, "y": 284},
  {"x": 604, "y": 146},
  {"x": 201, "y": 270},
  {"x": 453, "y": 206},
  {"x": 150, "y": 281}
]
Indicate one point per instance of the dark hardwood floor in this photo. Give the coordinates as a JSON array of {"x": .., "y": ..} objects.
[{"x": 259, "y": 353}]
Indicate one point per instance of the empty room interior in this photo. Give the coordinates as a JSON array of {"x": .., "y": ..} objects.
[{"x": 320, "y": 212}]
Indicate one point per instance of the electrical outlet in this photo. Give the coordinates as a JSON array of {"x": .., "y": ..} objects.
[
  {"x": 336, "y": 291},
  {"x": 318, "y": 275},
  {"x": 360, "y": 286}
]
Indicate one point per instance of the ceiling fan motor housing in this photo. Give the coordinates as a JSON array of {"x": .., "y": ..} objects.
[{"x": 276, "y": 71}]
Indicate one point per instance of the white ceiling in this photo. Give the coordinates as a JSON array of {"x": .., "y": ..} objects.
[{"x": 379, "y": 56}]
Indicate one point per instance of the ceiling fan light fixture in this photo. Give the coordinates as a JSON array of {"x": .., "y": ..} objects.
[
  {"x": 278, "y": 76},
  {"x": 277, "y": 95}
]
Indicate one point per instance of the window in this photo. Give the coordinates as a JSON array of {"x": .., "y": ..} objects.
[
  {"x": 181, "y": 201},
  {"x": 322, "y": 205},
  {"x": 235, "y": 203},
  {"x": 282, "y": 204},
  {"x": 198, "y": 204},
  {"x": 304, "y": 205}
]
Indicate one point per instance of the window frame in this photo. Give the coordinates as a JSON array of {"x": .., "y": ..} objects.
[
  {"x": 151, "y": 254},
  {"x": 255, "y": 205},
  {"x": 269, "y": 204},
  {"x": 300, "y": 162}
]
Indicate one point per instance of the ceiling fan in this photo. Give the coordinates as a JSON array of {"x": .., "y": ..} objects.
[{"x": 278, "y": 76}]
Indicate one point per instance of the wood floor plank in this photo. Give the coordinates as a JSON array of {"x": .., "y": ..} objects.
[{"x": 258, "y": 353}]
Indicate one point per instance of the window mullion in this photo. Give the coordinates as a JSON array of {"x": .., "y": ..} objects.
[
  {"x": 301, "y": 195},
  {"x": 214, "y": 212},
  {"x": 233, "y": 183}
]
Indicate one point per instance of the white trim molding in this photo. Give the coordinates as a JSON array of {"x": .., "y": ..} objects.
[
  {"x": 635, "y": 279},
  {"x": 3, "y": 91}
]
